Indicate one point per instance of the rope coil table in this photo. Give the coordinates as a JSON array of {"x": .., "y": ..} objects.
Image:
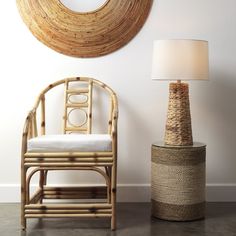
[{"x": 178, "y": 181}]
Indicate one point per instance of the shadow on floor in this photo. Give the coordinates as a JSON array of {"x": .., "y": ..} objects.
[{"x": 133, "y": 220}]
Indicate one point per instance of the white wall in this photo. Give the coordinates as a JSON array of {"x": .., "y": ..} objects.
[{"x": 27, "y": 66}]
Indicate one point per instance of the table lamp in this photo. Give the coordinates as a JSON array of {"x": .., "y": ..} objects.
[{"x": 179, "y": 59}]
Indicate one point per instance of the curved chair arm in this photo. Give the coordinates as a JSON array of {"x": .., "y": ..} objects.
[
  {"x": 29, "y": 130},
  {"x": 114, "y": 132},
  {"x": 114, "y": 122}
]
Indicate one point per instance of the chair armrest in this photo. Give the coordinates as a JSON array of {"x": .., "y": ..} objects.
[
  {"x": 115, "y": 115},
  {"x": 28, "y": 122},
  {"x": 29, "y": 129}
]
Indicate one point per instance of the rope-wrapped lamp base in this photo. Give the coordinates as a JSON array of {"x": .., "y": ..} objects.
[{"x": 178, "y": 124}]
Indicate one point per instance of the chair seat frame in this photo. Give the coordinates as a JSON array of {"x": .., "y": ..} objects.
[{"x": 103, "y": 163}]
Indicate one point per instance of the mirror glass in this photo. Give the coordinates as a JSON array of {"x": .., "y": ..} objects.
[{"x": 83, "y": 6}]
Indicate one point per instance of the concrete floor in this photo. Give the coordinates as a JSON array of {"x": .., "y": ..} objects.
[{"x": 133, "y": 220}]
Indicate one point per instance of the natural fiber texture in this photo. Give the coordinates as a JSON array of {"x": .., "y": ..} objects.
[
  {"x": 178, "y": 212},
  {"x": 89, "y": 34},
  {"x": 178, "y": 125},
  {"x": 103, "y": 163},
  {"x": 178, "y": 178},
  {"x": 181, "y": 157},
  {"x": 180, "y": 185}
]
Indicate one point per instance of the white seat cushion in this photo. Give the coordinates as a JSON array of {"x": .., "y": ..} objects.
[{"x": 71, "y": 143}]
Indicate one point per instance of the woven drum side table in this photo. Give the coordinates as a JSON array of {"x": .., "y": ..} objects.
[{"x": 178, "y": 181}]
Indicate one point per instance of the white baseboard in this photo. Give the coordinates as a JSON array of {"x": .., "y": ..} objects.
[
  {"x": 10, "y": 193},
  {"x": 221, "y": 192}
]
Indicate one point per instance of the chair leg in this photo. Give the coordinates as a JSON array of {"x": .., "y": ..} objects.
[
  {"x": 113, "y": 198},
  {"x": 45, "y": 177},
  {"x": 113, "y": 218},
  {"x": 23, "y": 197},
  {"x": 42, "y": 179},
  {"x": 23, "y": 223}
]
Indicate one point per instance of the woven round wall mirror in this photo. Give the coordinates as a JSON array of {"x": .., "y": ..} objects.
[{"x": 88, "y": 30}]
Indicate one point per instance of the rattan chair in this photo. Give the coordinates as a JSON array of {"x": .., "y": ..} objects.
[{"x": 42, "y": 153}]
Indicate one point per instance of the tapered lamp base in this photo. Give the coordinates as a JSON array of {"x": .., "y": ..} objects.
[{"x": 178, "y": 125}]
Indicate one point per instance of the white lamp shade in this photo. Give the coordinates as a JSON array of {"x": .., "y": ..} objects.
[{"x": 180, "y": 59}]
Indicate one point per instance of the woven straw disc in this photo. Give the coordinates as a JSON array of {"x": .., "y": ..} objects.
[{"x": 89, "y": 34}]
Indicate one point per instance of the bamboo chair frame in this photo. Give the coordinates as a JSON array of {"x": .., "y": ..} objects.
[{"x": 104, "y": 163}]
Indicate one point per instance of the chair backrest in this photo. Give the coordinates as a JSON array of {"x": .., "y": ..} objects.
[
  {"x": 78, "y": 95},
  {"x": 79, "y": 98}
]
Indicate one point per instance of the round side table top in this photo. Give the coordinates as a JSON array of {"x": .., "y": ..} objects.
[{"x": 163, "y": 145}]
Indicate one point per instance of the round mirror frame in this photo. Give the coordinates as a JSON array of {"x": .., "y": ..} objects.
[{"x": 90, "y": 34}]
